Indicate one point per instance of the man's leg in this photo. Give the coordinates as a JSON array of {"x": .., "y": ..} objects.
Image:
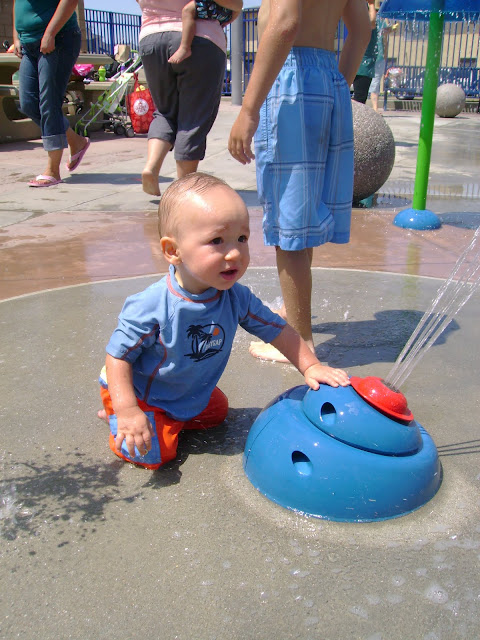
[{"x": 295, "y": 275}]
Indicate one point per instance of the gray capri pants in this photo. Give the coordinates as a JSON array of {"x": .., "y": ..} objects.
[{"x": 186, "y": 95}]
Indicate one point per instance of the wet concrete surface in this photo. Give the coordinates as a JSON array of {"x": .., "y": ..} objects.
[
  {"x": 95, "y": 548},
  {"x": 99, "y": 224},
  {"x": 98, "y": 548}
]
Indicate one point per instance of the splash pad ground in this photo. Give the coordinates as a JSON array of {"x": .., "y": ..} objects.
[
  {"x": 81, "y": 527},
  {"x": 93, "y": 548}
]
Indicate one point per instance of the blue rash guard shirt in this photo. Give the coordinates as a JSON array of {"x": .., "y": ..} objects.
[{"x": 179, "y": 343}]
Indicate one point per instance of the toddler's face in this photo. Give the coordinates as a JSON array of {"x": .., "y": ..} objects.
[{"x": 212, "y": 241}]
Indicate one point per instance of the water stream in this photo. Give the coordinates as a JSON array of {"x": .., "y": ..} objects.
[{"x": 451, "y": 297}]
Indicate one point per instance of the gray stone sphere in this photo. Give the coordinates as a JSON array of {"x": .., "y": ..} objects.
[
  {"x": 450, "y": 100},
  {"x": 374, "y": 151}
]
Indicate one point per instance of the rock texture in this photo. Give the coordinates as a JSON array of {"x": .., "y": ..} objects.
[
  {"x": 374, "y": 151},
  {"x": 450, "y": 100}
]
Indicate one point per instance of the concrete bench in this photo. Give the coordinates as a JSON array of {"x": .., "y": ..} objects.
[
  {"x": 8, "y": 90},
  {"x": 14, "y": 125}
]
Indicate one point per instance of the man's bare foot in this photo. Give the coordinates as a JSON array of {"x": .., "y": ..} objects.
[
  {"x": 282, "y": 312},
  {"x": 102, "y": 414},
  {"x": 150, "y": 183},
  {"x": 265, "y": 351},
  {"x": 181, "y": 54}
]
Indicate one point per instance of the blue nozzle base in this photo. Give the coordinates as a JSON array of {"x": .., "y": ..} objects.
[
  {"x": 331, "y": 455},
  {"x": 420, "y": 219}
]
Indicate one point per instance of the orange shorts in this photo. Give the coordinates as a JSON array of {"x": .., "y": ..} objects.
[{"x": 166, "y": 429}]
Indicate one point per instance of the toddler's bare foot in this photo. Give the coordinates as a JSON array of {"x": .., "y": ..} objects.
[
  {"x": 102, "y": 414},
  {"x": 265, "y": 351},
  {"x": 181, "y": 54},
  {"x": 150, "y": 183}
]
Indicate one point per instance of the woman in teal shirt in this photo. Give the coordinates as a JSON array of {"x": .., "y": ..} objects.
[{"x": 47, "y": 39}]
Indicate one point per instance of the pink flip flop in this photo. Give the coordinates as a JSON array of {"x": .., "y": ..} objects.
[
  {"x": 48, "y": 181},
  {"x": 77, "y": 157}
]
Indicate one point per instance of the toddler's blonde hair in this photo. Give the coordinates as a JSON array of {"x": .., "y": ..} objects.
[{"x": 169, "y": 215}]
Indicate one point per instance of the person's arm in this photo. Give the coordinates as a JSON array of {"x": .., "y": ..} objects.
[
  {"x": 372, "y": 13},
  {"x": 386, "y": 31},
  {"x": 357, "y": 21},
  {"x": 274, "y": 46},
  {"x": 17, "y": 50},
  {"x": 63, "y": 13},
  {"x": 296, "y": 350},
  {"x": 133, "y": 425}
]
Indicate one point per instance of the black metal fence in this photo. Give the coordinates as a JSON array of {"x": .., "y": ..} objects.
[
  {"x": 105, "y": 29},
  {"x": 459, "y": 57}
]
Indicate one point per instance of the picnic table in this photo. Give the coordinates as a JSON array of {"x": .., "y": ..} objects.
[{"x": 14, "y": 125}]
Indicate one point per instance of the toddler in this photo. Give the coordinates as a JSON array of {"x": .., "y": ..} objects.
[
  {"x": 197, "y": 10},
  {"x": 173, "y": 340}
]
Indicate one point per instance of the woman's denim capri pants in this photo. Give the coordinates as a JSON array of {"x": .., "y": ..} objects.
[{"x": 43, "y": 83}]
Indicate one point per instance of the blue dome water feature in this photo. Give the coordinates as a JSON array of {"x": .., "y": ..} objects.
[
  {"x": 350, "y": 454},
  {"x": 436, "y": 12}
]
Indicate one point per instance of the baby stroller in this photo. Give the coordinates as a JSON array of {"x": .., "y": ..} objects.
[{"x": 110, "y": 109}]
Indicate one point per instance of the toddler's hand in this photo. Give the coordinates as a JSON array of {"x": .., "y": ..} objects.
[
  {"x": 134, "y": 427},
  {"x": 319, "y": 373}
]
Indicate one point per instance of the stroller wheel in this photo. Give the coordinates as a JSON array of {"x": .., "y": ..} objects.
[
  {"x": 119, "y": 130},
  {"x": 129, "y": 133}
]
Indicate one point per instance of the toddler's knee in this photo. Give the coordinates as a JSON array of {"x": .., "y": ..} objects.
[{"x": 221, "y": 405}]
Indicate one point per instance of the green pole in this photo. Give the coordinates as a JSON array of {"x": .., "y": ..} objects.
[{"x": 435, "y": 34}]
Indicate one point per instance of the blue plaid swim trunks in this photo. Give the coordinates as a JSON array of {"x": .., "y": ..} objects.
[{"x": 304, "y": 153}]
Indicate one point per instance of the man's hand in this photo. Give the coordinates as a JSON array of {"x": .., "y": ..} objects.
[
  {"x": 241, "y": 135},
  {"x": 134, "y": 427},
  {"x": 319, "y": 373}
]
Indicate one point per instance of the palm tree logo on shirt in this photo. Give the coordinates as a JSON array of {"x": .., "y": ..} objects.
[{"x": 206, "y": 341}]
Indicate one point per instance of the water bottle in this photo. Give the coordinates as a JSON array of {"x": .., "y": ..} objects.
[{"x": 102, "y": 73}]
